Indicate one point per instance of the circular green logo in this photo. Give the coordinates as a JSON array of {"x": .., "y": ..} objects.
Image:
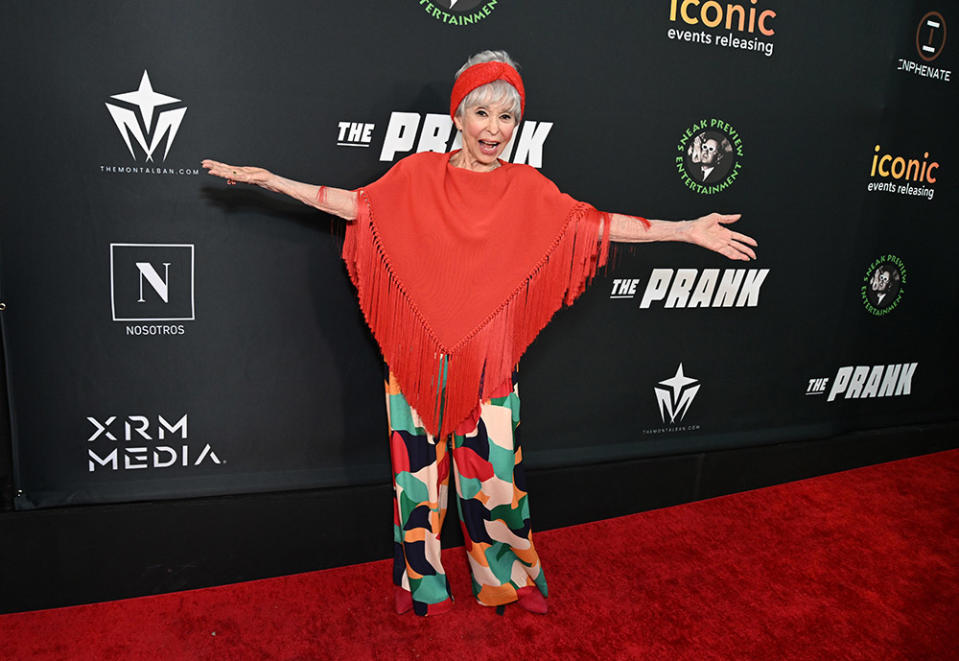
[
  {"x": 710, "y": 155},
  {"x": 883, "y": 285},
  {"x": 460, "y": 13}
]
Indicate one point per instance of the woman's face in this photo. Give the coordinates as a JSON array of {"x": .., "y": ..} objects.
[{"x": 487, "y": 129}]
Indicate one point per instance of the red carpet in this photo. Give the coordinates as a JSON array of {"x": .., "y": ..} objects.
[{"x": 862, "y": 564}]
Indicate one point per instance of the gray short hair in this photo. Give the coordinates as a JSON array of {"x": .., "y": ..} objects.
[{"x": 498, "y": 91}]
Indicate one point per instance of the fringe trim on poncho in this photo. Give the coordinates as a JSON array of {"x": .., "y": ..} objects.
[{"x": 445, "y": 384}]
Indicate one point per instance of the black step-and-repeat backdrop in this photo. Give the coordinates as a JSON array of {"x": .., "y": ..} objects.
[{"x": 167, "y": 336}]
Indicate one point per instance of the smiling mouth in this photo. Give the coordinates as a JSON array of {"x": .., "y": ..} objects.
[{"x": 488, "y": 144}]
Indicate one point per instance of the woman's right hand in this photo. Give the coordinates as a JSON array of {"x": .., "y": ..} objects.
[
  {"x": 238, "y": 173},
  {"x": 336, "y": 201}
]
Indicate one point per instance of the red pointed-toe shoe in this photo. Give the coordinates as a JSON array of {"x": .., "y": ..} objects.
[
  {"x": 532, "y": 599},
  {"x": 402, "y": 600}
]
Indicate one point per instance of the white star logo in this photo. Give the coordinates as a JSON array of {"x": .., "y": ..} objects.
[
  {"x": 675, "y": 399},
  {"x": 146, "y": 98},
  {"x": 678, "y": 382},
  {"x": 168, "y": 121}
]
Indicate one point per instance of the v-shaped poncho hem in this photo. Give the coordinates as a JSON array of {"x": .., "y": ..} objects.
[{"x": 458, "y": 271}]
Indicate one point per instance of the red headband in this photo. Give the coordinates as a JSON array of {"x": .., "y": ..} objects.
[{"x": 483, "y": 74}]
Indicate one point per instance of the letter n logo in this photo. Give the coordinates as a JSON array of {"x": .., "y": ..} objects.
[
  {"x": 152, "y": 282},
  {"x": 160, "y": 285}
]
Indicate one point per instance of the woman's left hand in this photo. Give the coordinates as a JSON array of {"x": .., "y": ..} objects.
[{"x": 711, "y": 233}]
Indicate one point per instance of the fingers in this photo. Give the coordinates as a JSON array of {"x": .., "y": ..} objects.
[
  {"x": 222, "y": 170},
  {"x": 743, "y": 238},
  {"x": 216, "y": 168},
  {"x": 739, "y": 246},
  {"x": 732, "y": 251},
  {"x": 743, "y": 249},
  {"x": 210, "y": 164},
  {"x": 728, "y": 217}
]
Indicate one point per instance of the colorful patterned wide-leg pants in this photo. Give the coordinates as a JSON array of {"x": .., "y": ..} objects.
[{"x": 491, "y": 500}]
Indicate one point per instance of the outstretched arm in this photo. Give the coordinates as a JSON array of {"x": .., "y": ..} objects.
[
  {"x": 710, "y": 232},
  {"x": 336, "y": 201}
]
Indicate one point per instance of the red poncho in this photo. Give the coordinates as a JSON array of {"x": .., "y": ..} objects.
[{"x": 458, "y": 271}]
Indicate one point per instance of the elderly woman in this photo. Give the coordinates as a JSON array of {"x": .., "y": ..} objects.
[{"x": 459, "y": 260}]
